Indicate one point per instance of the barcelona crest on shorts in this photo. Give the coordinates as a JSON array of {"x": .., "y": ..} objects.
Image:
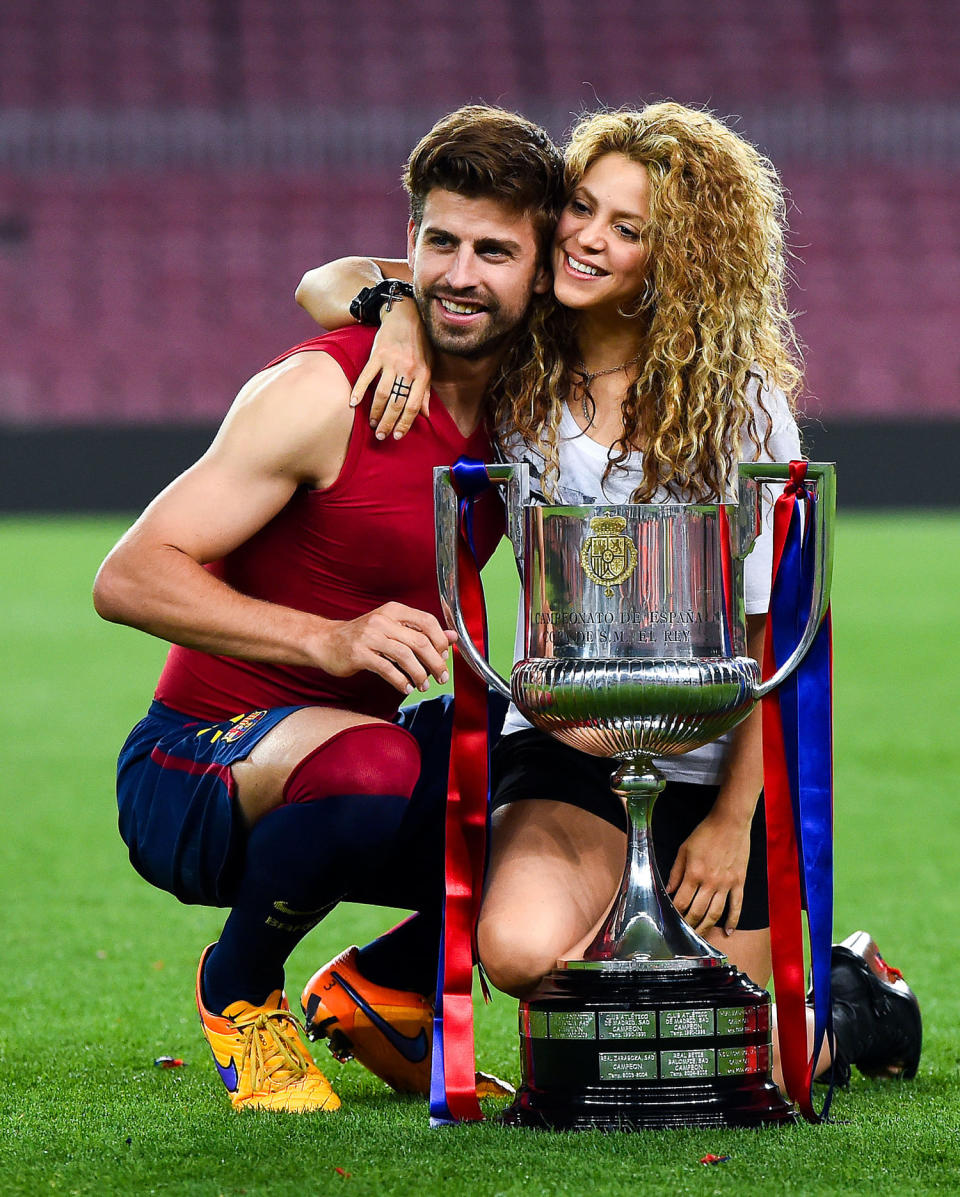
[
  {"x": 608, "y": 556},
  {"x": 242, "y": 724}
]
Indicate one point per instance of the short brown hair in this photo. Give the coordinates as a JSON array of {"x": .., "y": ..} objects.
[{"x": 483, "y": 152}]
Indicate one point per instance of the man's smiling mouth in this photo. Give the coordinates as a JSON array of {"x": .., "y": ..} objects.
[{"x": 460, "y": 309}]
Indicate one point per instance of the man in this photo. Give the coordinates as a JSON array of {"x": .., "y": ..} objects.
[{"x": 293, "y": 568}]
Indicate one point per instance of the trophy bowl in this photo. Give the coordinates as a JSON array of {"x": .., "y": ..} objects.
[
  {"x": 634, "y": 643},
  {"x": 620, "y": 707}
]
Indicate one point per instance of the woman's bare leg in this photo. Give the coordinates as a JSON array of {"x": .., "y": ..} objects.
[{"x": 553, "y": 872}]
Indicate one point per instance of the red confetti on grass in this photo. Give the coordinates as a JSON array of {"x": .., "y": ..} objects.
[
  {"x": 341, "y": 1172},
  {"x": 714, "y": 1159}
]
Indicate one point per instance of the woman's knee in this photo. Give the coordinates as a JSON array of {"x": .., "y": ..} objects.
[{"x": 514, "y": 959}]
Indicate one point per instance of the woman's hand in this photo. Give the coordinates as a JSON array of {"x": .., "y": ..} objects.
[
  {"x": 710, "y": 868},
  {"x": 402, "y": 359},
  {"x": 400, "y": 356},
  {"x": 711, "y": 863}
]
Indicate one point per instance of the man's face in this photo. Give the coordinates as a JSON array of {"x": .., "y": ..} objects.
[{"x": 475, "y": 271}]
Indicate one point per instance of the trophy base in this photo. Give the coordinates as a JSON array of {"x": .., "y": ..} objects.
[{"x": 637, "y": 1050}]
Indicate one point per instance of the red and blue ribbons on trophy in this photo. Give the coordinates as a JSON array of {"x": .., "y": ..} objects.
[
  {"x": 453, "y": 1094},
  {"x": 798, "y": 791}
]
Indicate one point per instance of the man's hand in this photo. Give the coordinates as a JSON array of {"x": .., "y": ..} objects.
[
  {"x": 401, "y": 357},
  {"x": 404, "y": 646},
  {"x": 710, "y": 867}
]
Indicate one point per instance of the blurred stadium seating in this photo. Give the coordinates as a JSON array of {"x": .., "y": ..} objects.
[
  {"x": 102, "y": 54},
  {"x": 167, "y": 172}
]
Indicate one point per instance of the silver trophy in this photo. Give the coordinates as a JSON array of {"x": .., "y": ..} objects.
[{"x": 635, "y": 648}]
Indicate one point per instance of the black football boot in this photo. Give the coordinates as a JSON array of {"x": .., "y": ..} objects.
[{"x": 876, "y": 1015}]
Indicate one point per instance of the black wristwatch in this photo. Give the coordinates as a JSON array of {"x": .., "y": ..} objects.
[{"x": 365, "y": 307}]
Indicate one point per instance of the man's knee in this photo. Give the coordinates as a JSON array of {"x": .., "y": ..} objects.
[
  {"x": 358, "y": 783},
  {"x": 370, "y": 758}
]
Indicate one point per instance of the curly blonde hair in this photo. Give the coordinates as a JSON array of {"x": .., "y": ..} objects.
[{"x": 715, "y": 315}]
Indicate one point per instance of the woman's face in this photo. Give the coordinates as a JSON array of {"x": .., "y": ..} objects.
[{"x": 599, "y": 261}]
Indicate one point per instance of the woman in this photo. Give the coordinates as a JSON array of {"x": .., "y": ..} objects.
[{"x": 669, "y": 357}]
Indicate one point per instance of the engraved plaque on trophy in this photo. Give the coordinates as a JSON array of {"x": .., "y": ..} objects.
[{"x": 635, "y": 648}]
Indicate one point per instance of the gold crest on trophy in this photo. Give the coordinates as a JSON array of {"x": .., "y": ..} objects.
[{"x": 608, "y": 556}]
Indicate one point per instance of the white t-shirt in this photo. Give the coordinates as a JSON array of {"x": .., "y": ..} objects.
[{"x": 581, "y": 483}]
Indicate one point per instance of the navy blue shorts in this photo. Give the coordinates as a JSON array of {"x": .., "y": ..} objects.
[
  {"x": 531, "y": 764},
  {"x": 176, "y": 798},
  {"x": 182, "y": 827}
]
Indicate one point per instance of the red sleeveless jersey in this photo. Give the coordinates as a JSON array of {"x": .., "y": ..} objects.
[{"x": 339, "y": 552}]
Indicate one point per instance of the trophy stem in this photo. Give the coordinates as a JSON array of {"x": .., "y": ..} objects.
[
  {"x": 653, "y": 1028},
  {"x": 644, "y": 928}
]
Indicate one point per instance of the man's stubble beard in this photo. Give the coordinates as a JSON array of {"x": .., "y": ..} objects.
[{"x": 494, "y": 337}]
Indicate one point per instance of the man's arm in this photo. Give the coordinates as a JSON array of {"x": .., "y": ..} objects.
[{"x": 290, "y": 425}]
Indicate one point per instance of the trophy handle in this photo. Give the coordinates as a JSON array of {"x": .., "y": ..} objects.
[
  {"x": 823, "y": 477},
  {"x": 516, "y": 480}
]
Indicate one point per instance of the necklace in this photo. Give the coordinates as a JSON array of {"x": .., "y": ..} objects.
[{"x": 587, "y": 377}]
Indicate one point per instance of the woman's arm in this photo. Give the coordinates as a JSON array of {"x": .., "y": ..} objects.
[
  {"x": 711, "y": 863},
  {"x": 400, "y": 351},
  {"x": 326, "y": 292}
]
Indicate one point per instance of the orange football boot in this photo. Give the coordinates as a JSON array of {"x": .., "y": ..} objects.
[
  {"x": 388, "y": 1031},
  {"x": 261, "y": 1058}
]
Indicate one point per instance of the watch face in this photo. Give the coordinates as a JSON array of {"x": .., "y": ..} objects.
[{"x": 356, "y": 304}]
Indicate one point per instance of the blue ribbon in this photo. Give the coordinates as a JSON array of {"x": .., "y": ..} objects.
[{"x": 806, "y": 713}]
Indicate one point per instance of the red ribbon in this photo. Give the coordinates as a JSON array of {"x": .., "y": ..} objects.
[
  {"x": 786, "y": 933},
  {"x": 466, "y": 826},
  {"x": 783, "y": 854}
]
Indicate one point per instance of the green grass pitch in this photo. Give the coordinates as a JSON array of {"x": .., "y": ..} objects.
[{"x": 98, "y": 968}]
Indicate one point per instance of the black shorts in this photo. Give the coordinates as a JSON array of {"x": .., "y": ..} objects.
[{"x": 531, "y": 764}]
